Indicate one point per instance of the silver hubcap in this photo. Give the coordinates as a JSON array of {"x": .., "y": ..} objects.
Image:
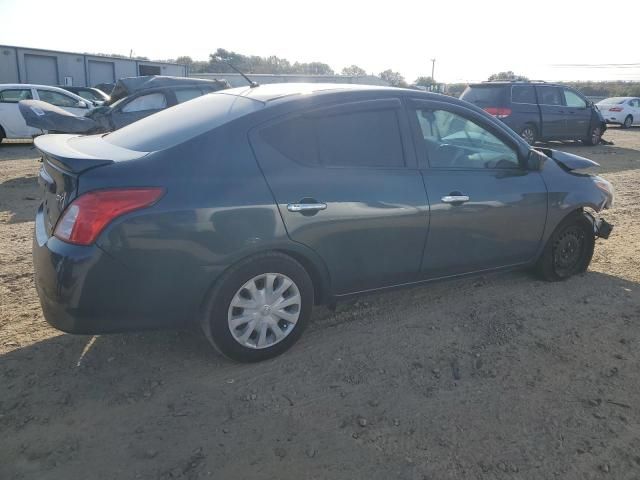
[
  {"x": 264, "y": 310},
  {"x": 528, "y": 135},
  {"x": 596, "y": 135}
]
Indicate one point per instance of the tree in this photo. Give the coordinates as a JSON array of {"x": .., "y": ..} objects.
[
  {"x": 354, "y": 71},
  {"x": 393, "y": 78},
  {"x": 424, "y": 82},
  {"x": 507, "y": 76},
  {"x": 184, "y": 60}
]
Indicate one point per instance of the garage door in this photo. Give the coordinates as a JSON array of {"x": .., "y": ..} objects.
[
  {"x": 41, "y": 69},
  {"x": 101, "y": 72}
]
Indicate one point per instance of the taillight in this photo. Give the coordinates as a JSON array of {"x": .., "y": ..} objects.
[
  {"x": 498, "y": 112},
  {"x": 615, "y": 109},
  {"x": 91, "y": 212}
]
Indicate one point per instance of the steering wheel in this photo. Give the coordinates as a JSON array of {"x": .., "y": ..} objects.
[{"x": 454, "y": 156}]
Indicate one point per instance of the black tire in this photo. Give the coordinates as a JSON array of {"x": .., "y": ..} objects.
[
  {"x": 529, "y": 133},
  {"x": 569, "y": 250},
  {"x": 595, "y": 134},
  {"x": 2, "y": 134},
  {"x": 215, "y": 321},
  {"x": 628, "y": 122}
]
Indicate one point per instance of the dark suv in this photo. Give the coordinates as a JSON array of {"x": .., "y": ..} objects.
[{"x": 539, "y": 110}]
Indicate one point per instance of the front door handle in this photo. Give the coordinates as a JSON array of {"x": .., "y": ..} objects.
[
  {"x": 455, "y": 198},
  {"x": 306, "y": 207}
]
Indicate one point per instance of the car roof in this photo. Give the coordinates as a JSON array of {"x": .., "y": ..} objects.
[
  {"x": 275, "y": 91},
  {"x": 6, "y": 86},
  {"x": 617, "y": 98}
]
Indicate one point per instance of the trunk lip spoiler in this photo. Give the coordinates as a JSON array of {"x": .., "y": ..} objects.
[{"x": 77, "y": 153}]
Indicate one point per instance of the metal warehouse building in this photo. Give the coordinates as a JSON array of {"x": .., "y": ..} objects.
[{"x": 49, "y": 67}]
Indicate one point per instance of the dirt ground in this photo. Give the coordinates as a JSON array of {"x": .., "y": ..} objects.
[{"x": 496, "y": 377}]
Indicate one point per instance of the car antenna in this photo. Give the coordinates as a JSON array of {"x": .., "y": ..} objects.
[{"x": 251, "y": 83}]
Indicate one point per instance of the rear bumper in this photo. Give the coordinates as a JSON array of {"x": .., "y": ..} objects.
[{"x": 84, "y": 290}]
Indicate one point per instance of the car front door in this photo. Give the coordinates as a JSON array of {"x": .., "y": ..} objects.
[
  {"x": 487, "y": 210},
  {"x": 66, "y": 102},
  {"x": 552, "y": 111},
  {"x": 635, "y": 110},
  {"x": 578, "y": 114},
  {"x": 11, "y": 120},
  {"x": 137, "y": 108},
  {"x": 347, "y": 186}
]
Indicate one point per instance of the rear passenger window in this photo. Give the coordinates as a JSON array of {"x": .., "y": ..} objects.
[
  {"x": 523, "y": 94},
  {"x": 368, "y": 138},
  {"x": 14, "y": 96},
  {"x": 187, "y": 94},
  {"x": 549, "y": 95}
]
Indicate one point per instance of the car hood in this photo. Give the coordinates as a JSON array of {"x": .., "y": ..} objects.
[
  {"x": 43, "y": 115},
  {"x": 568, "y": 161}
]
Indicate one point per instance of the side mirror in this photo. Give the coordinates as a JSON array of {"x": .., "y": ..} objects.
[
  {"x": 82, "y": 104},
  {"x": 535, "y": 161}
]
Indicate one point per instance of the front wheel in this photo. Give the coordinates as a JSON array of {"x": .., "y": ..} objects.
[
  {"x": 594, "y": 137},
  {"x": 259, "y": 308},
  {"x": 529, "y": 134},
  {"x": 569, "y": 250}
]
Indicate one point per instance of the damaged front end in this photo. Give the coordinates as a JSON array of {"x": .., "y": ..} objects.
[{"x": 604, "y": 192}]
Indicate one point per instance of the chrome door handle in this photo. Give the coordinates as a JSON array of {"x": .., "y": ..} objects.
[
  {"x": 455, "y": 198},
  {"x": 306, "y": 207}
]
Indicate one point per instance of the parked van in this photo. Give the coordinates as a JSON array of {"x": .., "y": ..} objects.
[{"x": 539, "y": 110}]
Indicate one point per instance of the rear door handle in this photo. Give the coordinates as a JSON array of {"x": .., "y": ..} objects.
[
  {"x": 455, "y": 198},
  {"x": 306, "y": 207}
]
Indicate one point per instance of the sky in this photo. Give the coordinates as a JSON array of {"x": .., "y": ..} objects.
[{"x": 470, "y": 39}]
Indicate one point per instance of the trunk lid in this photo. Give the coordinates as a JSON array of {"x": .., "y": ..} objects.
[{"x": 64, "y": 159}]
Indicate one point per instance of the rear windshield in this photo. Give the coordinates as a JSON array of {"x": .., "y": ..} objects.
[
  {"x": 612, "y": 101},
  {"x": 178, "y": 124},
  {"x": 485, "y": 95}
]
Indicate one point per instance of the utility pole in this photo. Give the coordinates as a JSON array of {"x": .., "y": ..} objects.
[{"x": 433, "y": 67}]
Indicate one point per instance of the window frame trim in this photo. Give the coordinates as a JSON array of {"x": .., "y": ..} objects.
[{"x": 421, "y": 152}]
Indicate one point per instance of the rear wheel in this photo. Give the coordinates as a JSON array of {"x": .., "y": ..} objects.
[
  {"x": 595, "y": 134},
  {"x": 529, "y": 134},
  {"x": 569, "y": 250},
  {"x": 2, "y": 134},
  {"x": 259, "y": 308},
  {"x": 628, "y": 122}
]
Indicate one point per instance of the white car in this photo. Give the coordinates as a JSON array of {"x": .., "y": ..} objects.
[
  {"x": 623, "y": 111},
  {"x": 12, "y": 124}
]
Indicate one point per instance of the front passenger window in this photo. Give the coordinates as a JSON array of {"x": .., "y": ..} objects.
[
  {"x": 453, "y": 141},
  {"x": 572, "y": 99},
  {"x": 151, "y": 101}
]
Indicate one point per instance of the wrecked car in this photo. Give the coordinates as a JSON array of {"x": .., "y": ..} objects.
[
  {"x": 240, "y": 210},
  {"x": 131, "y": 100}
]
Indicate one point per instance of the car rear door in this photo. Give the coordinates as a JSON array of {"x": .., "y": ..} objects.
[
  {"x": 578, "y": 114},
  {"x": 137, "y": 108},
  {"x": 635, "y": 110},
  {"x": 487, "y": 210},
  {"x": 346, "y": 184},
  {"x": 11, "y": 119},
  {"x": 552, "y": 111}
]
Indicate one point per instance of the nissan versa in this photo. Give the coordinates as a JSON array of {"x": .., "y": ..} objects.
[{"x": 242, "y": 209}]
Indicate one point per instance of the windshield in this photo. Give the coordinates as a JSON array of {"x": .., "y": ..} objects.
[{"x": 178, "y": 124}]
